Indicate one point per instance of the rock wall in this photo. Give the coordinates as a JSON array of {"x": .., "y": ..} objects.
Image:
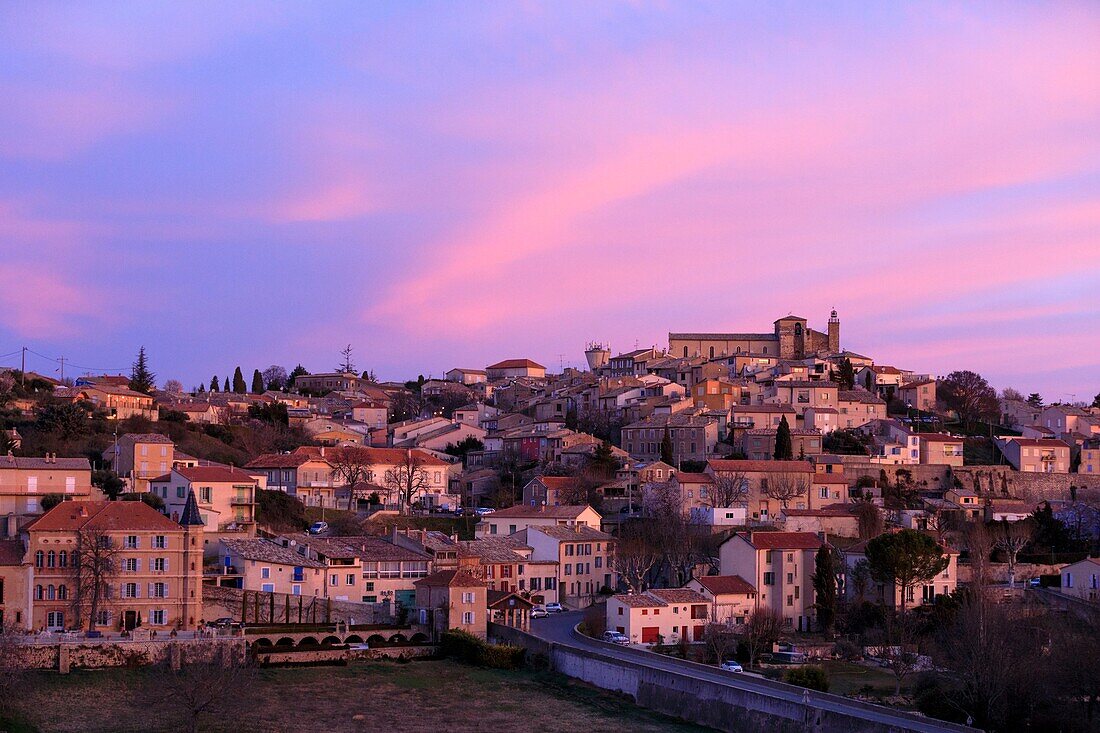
[
  {"x": 1001, "y": 481},
  {"x": 64, "y": 657}
]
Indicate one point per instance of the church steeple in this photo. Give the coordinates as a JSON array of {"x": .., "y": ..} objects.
[{"x": 191, "y": 516}]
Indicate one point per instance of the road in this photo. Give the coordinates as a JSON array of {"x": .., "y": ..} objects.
[{"x": 559, "y": 629}]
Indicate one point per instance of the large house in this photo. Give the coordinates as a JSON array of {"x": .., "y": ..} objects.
[
  {"x": 790, "y": 339},
  {"x": 25, "y": 480},
  {"x": 226, "y": 497},
  {"x": 139, "y": 457},
  {"x": 694, "y": 437},
  {"x": 1082, "y": 579},
  {"x": 659, "y": 615},
  {"x": 157, "y": 580},
  {"x": 514, "y": 369},
  {"x": 514, "y": 519},
  {"x": 1036, "y": 455},
  {"x": 583, "y": 555},
  {"x": 731, "y": 597},
  {"x": 891, "y": 594},
  {"x": 781, "y": 566}
]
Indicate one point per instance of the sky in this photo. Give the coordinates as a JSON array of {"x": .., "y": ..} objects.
[{"x": 451, "y": 184}]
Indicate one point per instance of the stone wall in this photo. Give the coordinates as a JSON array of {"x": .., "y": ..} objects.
[
  {"x": 1000, "y": 481},
  {"x": 218, "y": 602},
  {"x": 64, "y": 657}
]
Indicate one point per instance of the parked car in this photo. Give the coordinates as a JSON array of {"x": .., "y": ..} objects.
[
  {"x": 731, "y": 666},
  {"x": 539, "y": 612},
  {"x": 554, "y": 608},
  {"x": 615, "y": 637},
  {"x": 223, "y": 623},
  {"x": 318, "y": 527},
  {"x": 481, "y": 511},
  {"x": 1035, "y": 582}
]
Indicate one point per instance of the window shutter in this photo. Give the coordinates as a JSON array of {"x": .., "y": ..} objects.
[
  {"x": 122, "y": 590},
  {"x": 166, "y": 586},
  {"x": 137, "y": 564},
  {"x": 165, "y": 564},
  {"x": 152, "y": 590}
]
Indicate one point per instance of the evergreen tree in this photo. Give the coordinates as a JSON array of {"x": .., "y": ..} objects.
[
  {"x": 846, "y": 376},
  {"x": 784, "y": 451},
  {"x": 201, "y": 389},
  {"x": 141, "y": 379},
  {"x": 666, "y": 447},
  {"x": 298, "y": 371},
  {"x": 225, "y": 388},
  {"x": 238, "y": 382},
  {"x": 257, "y": 382},
  {"x": 827, "y": 567},
  {"x": 1035, "y": 399},
  {"x": 214, "y": 383}
]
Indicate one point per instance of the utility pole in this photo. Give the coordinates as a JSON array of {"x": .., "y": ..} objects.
[
  {"x": 23, "y": 369},
  {"x": 61, "y": 360}
]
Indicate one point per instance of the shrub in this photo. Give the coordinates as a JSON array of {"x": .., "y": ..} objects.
[
  {"x": 813, "y": 678},
  {"x": 847, "y": 650},
  {"x": 466, "y": 647}
]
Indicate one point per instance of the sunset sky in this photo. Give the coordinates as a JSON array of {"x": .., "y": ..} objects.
[{"x": 449, "y": 184}]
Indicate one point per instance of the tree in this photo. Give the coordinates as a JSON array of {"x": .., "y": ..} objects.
[
  {"x": 238, "y": 382},
  {"x": 346, "y": 366},
  {"x": 203, "y": 691},
  {"x": 783, "y": 449},
  {"x": 275, "y": 377},
  {"x": 173, "y": 386},
  {"x": 61, "y": 419},
  {"x": 904, "y": 559},
  {"x": 720, "y": 641},
  {"x": 761, "y": 630},
  {"x": 783, "y": 487},
  {"x": 94, "y": 569},
  {"x": 464, "y": 446},
  {"x": 636, "y": 553},
  {"x": 812, "y": 678},
  {"x": 979, "y": 544},
  {"x": 1008, "y": 393},
  {"x": 370, "y": 376},
  {"x": 351, "y": 465},
  {"x": 49, "y": 501},
  {"x": 272, "y": 413},
  {"x": 846, "y": 374},
  {"x": 225, "y": 387},
  {"x": 828, "y": 566},
  {"x": 1010, "y": 538},
  {"x": 408, "y": 479},
  {"x": 141, "y": 379},
  {"x": 257, "y": 382},
  {"x": 1035, "y": 400},
  {"x": 730, "y": 488},
  {"x": 969, "y": 395},
  {"x": 298, "y": 371},
  {"x": 861, "y": 579},
  {"x": 666, "y": 448},
  {"x": 1096, "y": 400},
  {"x": 108, "y": 482},
  {"x": 603, "y": 463},
  {"x": 899, "y": 652},
  {"x": 214, "y": 383}
]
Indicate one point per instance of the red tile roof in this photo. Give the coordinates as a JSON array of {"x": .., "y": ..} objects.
[
  {"x": 103, "y": 515},
  {"x": 719, "y": 465},
  {"x": 516, "y": 364},
  {"x": 211, "y": 474},
  {"x": 726, "y": 584},
  {"x": 783, "y": 540},
  {"x": 460, "y": 578},
  {"x": 522, "y": 511}
]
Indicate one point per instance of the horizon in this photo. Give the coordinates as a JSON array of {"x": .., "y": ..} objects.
[{"x": 447, "y": 186}]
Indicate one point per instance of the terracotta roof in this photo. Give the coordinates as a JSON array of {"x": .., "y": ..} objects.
[
  {"x": 280, "y": 460},
  {"x": 726, "y": 584},
  {"x": 832, "y": 510},
  {"x": 693, "y": 478},
  {"x": 639, "y": 600},
  {"x": 1038, "y": 442},
  {"x": 678, "y": 595},
  {"x": 859, "y": 395},
  {"x": 264, "y": 550},
  {"x": 523, "y": 511},
  {"x": 720, "y": 465},
  {"x": 11, "y": 552},
  {"x": 784, "y": 408},
  {"x": 489, "y": 550},
  {"x": 516, "y": 364},
  {"x": 373, "y": 456},
  {"x": 578, "y": 532},
  {"x": 103, "y": 515},
  {"x": 367, "y": 548},
  {"x": 782, "y": 540},
  {"x": 672, "y": 336},
  {"x": 460, "y": 578},
  {"x": 500, "y": 598},
  {"x": 211, "y": 474},
  {"x": 885, "y": 370},
  {"x": 939, "y": 437},
  {"x": 147, "y": 438},
  {"x": 39, "y": 463}
]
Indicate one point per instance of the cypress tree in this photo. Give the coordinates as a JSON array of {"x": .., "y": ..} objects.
[
  {"x": 784, "y": 451},
  {"x": 846, "y": 376},
  {"x": 257, "y": 382},
  {"x": 214, "y": 383},
  {"x": 226, "y": 387},
  {"x": 666, "y": 447},
  {"x": 238, "y": 382},
  {"x": 141, "y": 379},
  {"x": 826, "y": 569}
]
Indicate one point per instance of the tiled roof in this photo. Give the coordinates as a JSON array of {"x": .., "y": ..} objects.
[
  {"x": 460, "y": 578},
  {"x": 489, "y": 550},
  {"x": 785, "y": 408},
  {"x": 1038, "y": 442},
  {"x": 40, "y": 463},
  {"x": 366, "y": 548},
  {"x": 517, "y": 364},
  {"x": 280, "y": 460},
  {"x": 783, "y": 540},
  {"x": 11, "y": 552},
  {"x": 693, "y": 478},
  {"x": 147, "y": 438},
  {"x": 726, "y": 584},
  {"x": 859, "y": 395},
  {"x": 722, "y": 337},
  {"x": 211, "y": 474},
  {"x": 264, "y": 550},
  {"x": 721, "y": 465},
  {"x": 939, "y": 437},
  {"x": 578, "y": 532},
  {"x": 372, "y": 456},
  {"x": 103, "y": 515},
  {"x": 523, "y": 511},
  {"x": 639, "y": 600},
  {"x": 678, "y": 595}
]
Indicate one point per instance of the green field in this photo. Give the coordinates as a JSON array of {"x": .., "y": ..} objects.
[{"x": 418, "y": 696}]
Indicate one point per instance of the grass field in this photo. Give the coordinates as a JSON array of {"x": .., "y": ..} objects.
[
  {"x": 419, "y": 696},
  {"x": 846, "y": 678}
]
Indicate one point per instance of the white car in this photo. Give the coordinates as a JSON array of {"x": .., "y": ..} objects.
[
  {"x": 481, "y": 511},
  {"x": 615, "y": 637},
  {"x": 539, "y": 612},
  {"x": 731, "y": 666},
  {"x": 554, "y": 608},
  {"x": 318, "y": 527}
]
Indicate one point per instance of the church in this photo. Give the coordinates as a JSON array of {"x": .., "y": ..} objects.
[{"x": 791, "y": 338}]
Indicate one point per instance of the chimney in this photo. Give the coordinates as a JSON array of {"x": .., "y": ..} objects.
[
  {"x": 322, "y": 451},
  {"x": 11, "y": 526}
]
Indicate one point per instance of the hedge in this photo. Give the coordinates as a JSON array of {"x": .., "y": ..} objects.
[{"x": 468, "y": 648}]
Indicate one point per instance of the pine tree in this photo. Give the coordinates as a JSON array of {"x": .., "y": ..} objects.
[
  {"x": 225, "y": 388},
  {"x": 826, "y": 568},
  {"x": 141, "y": 379},
  {"x": 347, "y": 365},
  {"x": 257, "y": 382},
  {"x": 784, "y": 451},
  {"x": 666, "y": 447},
  {"x": 846, "y": 376},
  {"x": 201, "y": 389},
  {"x": 298, "y": 371},
  {"x": 214, "y": 383},
  {"x": 1035, "y": 400},
  {"x": 238, "y": 382}
]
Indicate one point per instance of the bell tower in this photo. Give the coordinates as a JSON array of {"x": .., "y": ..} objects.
[{"x": 834, "y": 332}]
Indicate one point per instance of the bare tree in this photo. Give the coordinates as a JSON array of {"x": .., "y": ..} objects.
[
  {"x": 174, "y": 386},
  {"x": 761, "y": 630},
  {"x": 408, "y": 479},
  {"x": 720, "y": 641},
  {"x": 1010, "y": 538},
  {"x": 202, "y": 692},
  {"x": 784, "y": 487},
  {"x": 94, "y": 567},
  {"x": 869, "y": 520},
  {"x": 351, "y": 465},
  {"x": 979, "y": 544},
  {"x": 939, "y": 521},
  {"x": 662, "y": 499},
  {"x": 275, "y": 377},
  {"x": 636, "y": 553},
  {"x": 730, "y": 488}
]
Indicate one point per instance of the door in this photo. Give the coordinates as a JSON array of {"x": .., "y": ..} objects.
[
  {"x": 129, "y": 620},
  {"x": 650, "y": 634},
  {"x": 55, "y": 620}
]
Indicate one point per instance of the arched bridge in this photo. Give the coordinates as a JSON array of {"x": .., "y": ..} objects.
[{"x": 260, "y": 638}]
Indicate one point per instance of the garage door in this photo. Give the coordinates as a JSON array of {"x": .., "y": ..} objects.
[{"x": 650, "y": 634}]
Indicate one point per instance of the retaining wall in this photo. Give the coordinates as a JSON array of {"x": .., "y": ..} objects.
[{"x": 63, "y": 657}]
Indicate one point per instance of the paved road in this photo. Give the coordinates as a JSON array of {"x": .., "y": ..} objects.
[{"x": 559, "y": 628}]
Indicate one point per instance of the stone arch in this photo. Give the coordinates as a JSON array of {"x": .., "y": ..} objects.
[
  {"x": 285, "y": 641},
  {"x": 354, "y": 639},
  {"x": 309, "y": 640},
  {"x": 398, "y": 639},
  {"x": 419, "y": 638},
  {"x": 262, "y": 642},
  {"x": 330, "y": 640},
  {"x": 375, "y": 639}
]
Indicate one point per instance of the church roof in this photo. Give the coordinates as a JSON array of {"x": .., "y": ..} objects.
[{"x": 191, "y": 516}]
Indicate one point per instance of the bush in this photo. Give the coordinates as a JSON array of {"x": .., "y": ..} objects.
[
  {"x": 847, "y": 650},
  {"x": 466, "y": 647},
  {"x": 49, "y": 501},
  {"x": 812, "y": 678}
]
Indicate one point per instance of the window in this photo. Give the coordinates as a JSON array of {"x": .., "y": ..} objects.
[
  {"x": 156, "y": 617},
  {"x": 51, "y": 559},
  {"x": 268, "y": 587},
  {"x": 823, "y": 492},
  {"x": 350, "y": 579},
  {"x": 62, "y": 559},
  {"x": 131, "y": 541},
  {"x": 160, "y": 564},
  {"x": 181, "y": 492},
  {"x": 160, "y": 542},
  {"x": 568, "y": 569},
  {"x": 39, "y": 558},
  {"x": 468, "y": 618},
  {"x": 265, "y": 573},
  {"x": 129, "y": 590},
  {"x": 130, "y": 564},
  {"x": 599, "y": 562},
  {"x": 334, "y": 579},
  {"x": 204, "y": 494},
  {"x": 160, "y": 590},
  {"x": 769, "y": 578}
]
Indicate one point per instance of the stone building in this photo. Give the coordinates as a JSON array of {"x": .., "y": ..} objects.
[{"x": 790, "y": 338}]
